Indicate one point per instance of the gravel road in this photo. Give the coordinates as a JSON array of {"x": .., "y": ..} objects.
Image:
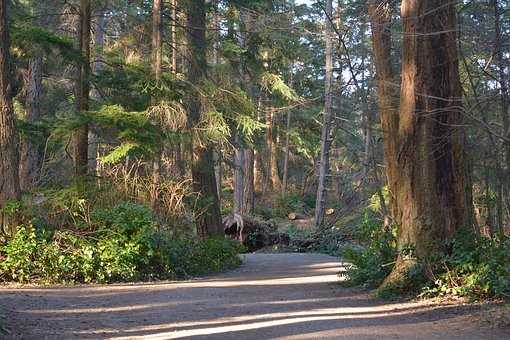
[{"x": 271, "y": 296}]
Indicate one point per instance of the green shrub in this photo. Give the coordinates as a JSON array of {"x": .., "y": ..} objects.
[
  {"x": 372, "y": 260},
  {"x": 121, "y": 244},
  {"x": 287, "y": 204},
  {"x": 476, "y": 266}
]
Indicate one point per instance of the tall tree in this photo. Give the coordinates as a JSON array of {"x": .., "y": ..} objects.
[
  {"x": 202, "y": 166},
  {"x": 9, "y": 178},
  {"x": 81, "y": 140},
  {"x": 432, "y": 188},
  {"x": 388, "y": 91},
  {"x": 156, "y": 69},
  {"x": 327, "y": 122}
]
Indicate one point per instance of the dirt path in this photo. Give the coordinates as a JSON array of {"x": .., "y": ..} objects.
[{"x": 284, "y": 296}]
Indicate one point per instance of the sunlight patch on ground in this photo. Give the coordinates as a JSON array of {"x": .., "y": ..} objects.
[{"x": 251, "y": 322}]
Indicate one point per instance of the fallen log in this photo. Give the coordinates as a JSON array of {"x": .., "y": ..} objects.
[
  {"x": 295, "y": 216},
  {"x": 253, "y": 233}
]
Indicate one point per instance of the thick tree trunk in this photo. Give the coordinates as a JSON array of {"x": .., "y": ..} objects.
[
  {"x": 30, "y": 157},
  {"x": 326, "y": 138},
  {"x": 433, "y": 195},
  {"x": 202, "y": 166},
  {"x": 81, "y": 140},
  {"x": 9, "y": 161}
]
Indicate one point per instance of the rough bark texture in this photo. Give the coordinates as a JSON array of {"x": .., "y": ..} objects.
[
  {"x": 433, "y": 195},
  {"x": 327, "y": 121},
  {"x": 202, "y": 167},
  {"x": 9, "y": 178},
  {"x": 81, "y": 140}
]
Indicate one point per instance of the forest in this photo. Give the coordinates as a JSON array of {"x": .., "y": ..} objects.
[{"x": 156, "y": 140}]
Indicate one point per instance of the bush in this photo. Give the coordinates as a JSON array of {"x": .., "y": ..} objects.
[
  {"x": 287, "y": 204},
  {"x": 372, "y": 260},
  {"x": 121, "y": 244},
  {"x": 476, "y": 267}
]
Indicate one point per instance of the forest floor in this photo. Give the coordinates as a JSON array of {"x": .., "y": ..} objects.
[{"x": 271, "y": 296}]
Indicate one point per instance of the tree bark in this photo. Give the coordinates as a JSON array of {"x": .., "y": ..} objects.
[
  {"x": 202, "y": 167},
  {"x": 156, "y": 69},
  {"x": 388, "y": 91},
  {"x": 327, "y": 121},
  {"x": 9, "y": 161},
  {"x": 81, "y": 141},
  {"x": 505, "y": 98},
  {"x": 97, "y": 67},
  {"x": 30, "y": 157},
  {"x": 433, "y": 195}
]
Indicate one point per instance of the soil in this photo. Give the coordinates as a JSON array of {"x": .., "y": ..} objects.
[{"x": 271, "y": 296}]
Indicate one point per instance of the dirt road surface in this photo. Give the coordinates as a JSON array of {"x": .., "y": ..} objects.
[{"x": 271, "y": 296}]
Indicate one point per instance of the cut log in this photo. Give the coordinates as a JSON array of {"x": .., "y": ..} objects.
[
  {"x": 295, "y": 216},
  {"x": 329, "y": 211}
]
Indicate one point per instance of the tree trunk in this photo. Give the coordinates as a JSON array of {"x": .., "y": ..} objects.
[
  {"x": 9, "y": 161},
  {"x": 202, "y": 166},
  {"x": 388, "y": 91},
  {"x": 30, "y": 157},
  {"x": 249, "y": 180},
  {"x": 505, "y": 98},
  {"x": 156, "y": 69},
  {"x": 97, "y": 67},
  {"x": 327, "y": 121},
  {"x": 81, "y": 140},
  {"x": 238, "y": 175},
  {"x": 273, "y": 178},
  {"x": 286, "y": 157},
  {"x": 433, "y": 195}
]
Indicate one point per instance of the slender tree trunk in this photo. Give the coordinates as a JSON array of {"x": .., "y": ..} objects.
[
  {"x": 218, "y": 171},
  {"x": 30, "y": 157},
  {"x": 173, "y": 32},
  {"x": 97, "y": 67},
  {"x": 286, "y": 157},
  {"x": 202, "y": 167},
  {"x": 388, "y": 91},
  {"x": 326, "y": 138},
  {"x": 9, "y": 161},
  {"x": 156, "y": 69},
  {"x": 273, "y": 179},
  {"x": 505, "y": 98},
  {"x": 81, "y": 140},
  {"x": 434, "y": 191}
]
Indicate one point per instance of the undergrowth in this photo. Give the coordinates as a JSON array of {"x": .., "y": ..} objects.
[
  {"x": 80, "y": 239},
  {"x": 473, "y": 266}
]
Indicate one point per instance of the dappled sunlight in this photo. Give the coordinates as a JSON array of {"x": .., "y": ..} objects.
[{"x": 269, "y": 296}]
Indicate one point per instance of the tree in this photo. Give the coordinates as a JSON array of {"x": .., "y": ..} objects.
[
  {"x": 81, "y": 139},
  {"x": 432, "y": 188},
  {"x": 380, "y": 16},
  {"x": 156, "y": 67},
  {"x": 9, "y": 179},
  {"x": 326, "y": 137},
  {"x": 202, "y": 164}
]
